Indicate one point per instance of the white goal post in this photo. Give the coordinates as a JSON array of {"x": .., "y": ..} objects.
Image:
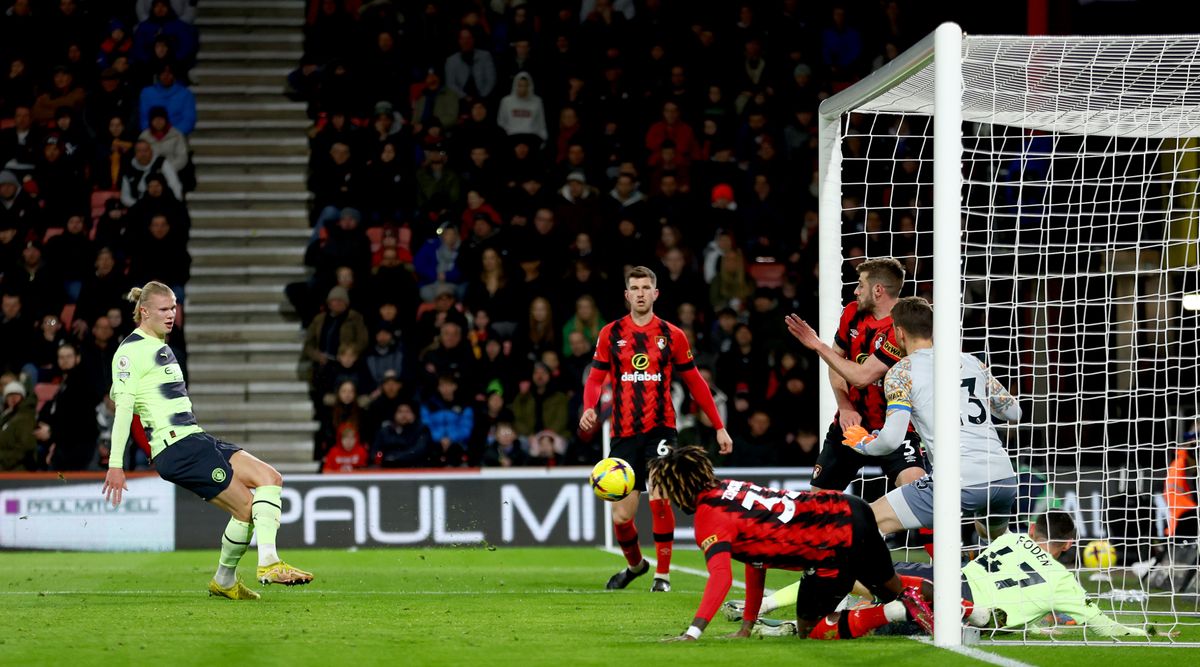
[{"x": 1042, "y": 192}]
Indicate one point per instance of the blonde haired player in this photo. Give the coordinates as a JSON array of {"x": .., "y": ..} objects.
[{"x": 147, "y": 380}]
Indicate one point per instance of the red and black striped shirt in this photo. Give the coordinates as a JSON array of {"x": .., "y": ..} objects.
[
  {"x": 642, "y": 361},
  {"x": 861, "y": 337},
  {"x": 788, "y": 530}
]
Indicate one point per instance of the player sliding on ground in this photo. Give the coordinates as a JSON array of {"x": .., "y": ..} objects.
[
  {"x": 1016, "y": 581},
  {"x": 147, "y": 379},
  {"x": 989, "y": 484},
  {"x": 827, "y": 532}
]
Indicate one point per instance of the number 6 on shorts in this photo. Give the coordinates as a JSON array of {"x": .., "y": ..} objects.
[{"x": 663, "y": 448}]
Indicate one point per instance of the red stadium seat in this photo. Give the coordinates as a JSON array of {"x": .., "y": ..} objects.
[
  {"x": 423, "y": 308},
  {"x": 404, "y": 237},
  {"x": 44, "y": 392},
  {"x": 51, "y": 233},
  {"x": 767, "y": 274},
  {"x": 100, "y": 199},
  {"x": 375, "y": 235},
  {"x": 179, "y": 314},
  {"x": 6, "y": 123},
  {"x": 67, "y": 315}
]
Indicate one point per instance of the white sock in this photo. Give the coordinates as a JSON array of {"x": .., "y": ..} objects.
[
  {"x": 645, "y": 565},
  {"x": 267, "y": 555},
  {"x": 894, "y": 611},
  {"x": 664, "y": 577},
  {"x": 225, "y": 576},
  {"x": 768, "y": 605}
]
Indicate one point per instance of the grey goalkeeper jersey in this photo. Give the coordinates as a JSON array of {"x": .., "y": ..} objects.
[{"x": 909, "y": 386}]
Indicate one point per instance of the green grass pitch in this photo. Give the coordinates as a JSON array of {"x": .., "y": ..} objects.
[{"x": 413, "y": 607}]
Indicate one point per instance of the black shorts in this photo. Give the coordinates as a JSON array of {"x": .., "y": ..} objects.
[
  {"x": 638, "y": 450},
  {"x": 838, "y": 465},
  {"x": 867, "y": 560},
  {"x": 199, "y": 463}
]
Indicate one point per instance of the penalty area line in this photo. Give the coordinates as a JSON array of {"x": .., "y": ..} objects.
[{"x": 976, "y": 654}]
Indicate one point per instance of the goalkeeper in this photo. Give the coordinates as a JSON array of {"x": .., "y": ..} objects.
[
  {"x": 1015, "y": 581},
  {"x": 989, "y": 484},
  {"x": 147, "y": 379}
]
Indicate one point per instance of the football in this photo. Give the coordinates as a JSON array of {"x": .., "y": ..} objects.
[
  {"x": 1099, "y": 554},
  {"x": 612, "y": 479}
]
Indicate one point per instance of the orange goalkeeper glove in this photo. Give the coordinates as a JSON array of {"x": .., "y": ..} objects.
[{"x": 856, "y": 438}]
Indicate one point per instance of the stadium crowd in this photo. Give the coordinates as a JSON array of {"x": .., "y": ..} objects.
[
  {"x": 94, "y": 169},
  {"x": 485, "y": 173}
]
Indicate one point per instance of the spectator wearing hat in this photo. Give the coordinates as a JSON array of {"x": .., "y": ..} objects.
[
  {"x": 439, "y": 187},
  {"x": 18, "y": 211},
  {"x": 402, "y": 441},
  {"x": 18, "y": 419},
  {"x": 470, "y": 72},
  {"x": 332, "y": 328},
  {"x": 142, "y": 164},
  {"x": 21, "y": 143},
  {"x": 577, "y": 206},
  {"x": 434, "y": 101},
  {"x": 173, "y": 96},
  {"x": 385, "y": 399},
  {"x": 437, "y": 265},
  {"x": 521, "y": 112},
  {"x": 166, "y": 140},
  {"x": 64, "y": 92}
]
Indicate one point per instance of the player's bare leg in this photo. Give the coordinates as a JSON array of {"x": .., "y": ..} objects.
[
  {"x": 263, "y": 508},
  {"x": 885, "y": 517},
  {"x": 624, "y": 529},
  {"x": 910, "y": 475}
]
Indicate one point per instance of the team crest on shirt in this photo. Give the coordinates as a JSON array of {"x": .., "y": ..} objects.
[
  {"x": 621, "y": 343},
  {"x": 854, "y": 333},
  {"x": 661, "y": 342}
]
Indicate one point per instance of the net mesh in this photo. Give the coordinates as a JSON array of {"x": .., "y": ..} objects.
[{"x": 1079, "y": 246}]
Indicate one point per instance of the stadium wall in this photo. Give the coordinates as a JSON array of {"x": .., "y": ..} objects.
[{"x": 467, "y": 508}]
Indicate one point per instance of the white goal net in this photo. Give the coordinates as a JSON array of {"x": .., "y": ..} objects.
[{"x": 1078, "y": 279}]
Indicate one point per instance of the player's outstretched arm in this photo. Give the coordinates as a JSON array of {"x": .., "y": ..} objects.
[
  {"x": 857, "y": 375},
  {"x": 720, "y": 579}
]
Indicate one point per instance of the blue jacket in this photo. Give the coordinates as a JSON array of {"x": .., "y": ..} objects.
[
  {"x": 179, "y": 102},
  {"x": 425, "y": 264},
  {"x": 448, "y": 421}
]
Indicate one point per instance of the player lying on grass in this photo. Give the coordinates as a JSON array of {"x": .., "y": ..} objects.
[
  {"x": 1016, "y": 581},
  {"x": 147, "y": 379},
  {"x": 827, "y": 532},
  {"x": 989, "y": 484}
]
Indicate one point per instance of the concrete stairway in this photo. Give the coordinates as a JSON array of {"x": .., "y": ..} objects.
[{"x": 250, "y": 226}]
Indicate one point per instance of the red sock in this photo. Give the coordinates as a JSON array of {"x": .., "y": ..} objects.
[
  {"x": 866, "y": 619},
  {"x": 927, "y": 534},
  {"x": 850, "y": 624},
  {"x": 627, "y": 537},
  {"x": 910, "y": 581},
  {"x": 663, "y": 525}
]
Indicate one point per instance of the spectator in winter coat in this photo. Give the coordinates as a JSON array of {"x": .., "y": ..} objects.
[
  {"x": 521, "y": 112},
  {"x": 470, "y": 72},
  {"x": 18, "y": 419},
  {"x": 450, "y": 423},
  {"x": 64, "y": 93},
  {"x": 402, "y": 442},
  {"x": 166, "y": 92},
  {"x": 541, "y": 408},
  {"x": 142, "y": 164},
  {"x": 67, "y": 423},
  {"x": 163, "y": 22},
  {"x": 437, "y": 264},
  {"x": 434, "y": 101},
  {"x": 166, "y": 140},
  {"x": 386, "y": 355}
]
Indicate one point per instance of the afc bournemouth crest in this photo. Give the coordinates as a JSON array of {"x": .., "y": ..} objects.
[{"x": 661, "y": 341}]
